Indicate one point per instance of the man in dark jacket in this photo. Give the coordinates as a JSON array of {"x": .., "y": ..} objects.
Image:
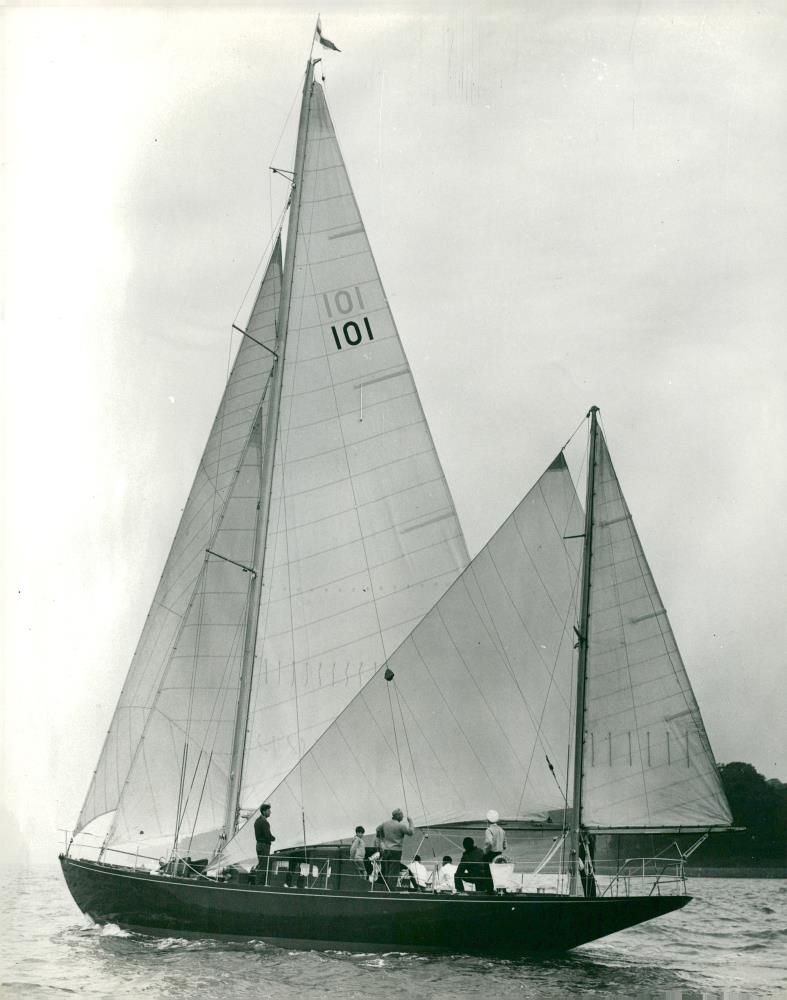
[
  {"x": 264, "y": 838},
  {"x": 473, "y": 869}
]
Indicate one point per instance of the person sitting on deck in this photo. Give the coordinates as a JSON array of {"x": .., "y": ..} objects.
[
  {"x": 445, "y": 875},
  {"x": 419, "y": 874},
  {"x": 472, "y": 869}
]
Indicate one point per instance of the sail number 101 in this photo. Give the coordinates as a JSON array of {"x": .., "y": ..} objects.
[{"x": 350, "y": 333}]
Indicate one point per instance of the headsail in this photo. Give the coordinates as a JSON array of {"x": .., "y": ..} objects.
[
  {"x": 482, "y": 696},
  {"x": 216, "y": 473},
  {"x": 363, "y": 536},
  {"x": 647, "y": 759},
  {"x": 178, "y": 780}
]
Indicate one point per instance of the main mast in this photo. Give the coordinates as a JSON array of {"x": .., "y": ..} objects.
[
  {"x": 584, "y": 619},
  {"x": 266, "y": 474}
]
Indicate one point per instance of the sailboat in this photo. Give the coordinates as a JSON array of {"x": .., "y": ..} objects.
[{"x": 320, "y": 642}]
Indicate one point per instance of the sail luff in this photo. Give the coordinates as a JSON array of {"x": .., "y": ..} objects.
[
  {"x": 268, "y": 455},
  {"x": 584, "y": 614}
]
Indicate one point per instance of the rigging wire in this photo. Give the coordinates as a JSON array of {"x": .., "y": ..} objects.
[
  {"x": 396, "y": 738},
  {"x": 201, "y": 795},
  {"x": 275, "y": 233},
  {"x": 180, "y": 808},
  {"x": 185, "y": 804},
  {"x": 300, "y": 754},
  {"x": 551, "y": 767},
  {"x": 276, "y": 149},
  {"x": 574, "y": 433},
  {"x": 414, "y": 769}
]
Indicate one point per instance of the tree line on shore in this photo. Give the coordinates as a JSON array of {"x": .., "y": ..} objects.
[{"x": 759, "y": 805}]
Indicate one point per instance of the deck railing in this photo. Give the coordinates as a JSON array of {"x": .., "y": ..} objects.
[
  {"x": 647, "y": 877},
  {"x": 644, "y": 876}
]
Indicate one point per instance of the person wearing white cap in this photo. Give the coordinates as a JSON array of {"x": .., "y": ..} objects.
[{"x": 494, "y": 837}]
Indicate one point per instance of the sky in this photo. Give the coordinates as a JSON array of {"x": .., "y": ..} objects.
[{"x": 570, "y": 203}]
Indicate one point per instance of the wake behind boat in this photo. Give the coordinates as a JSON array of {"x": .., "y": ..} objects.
[{"x": 319, "y": 641}]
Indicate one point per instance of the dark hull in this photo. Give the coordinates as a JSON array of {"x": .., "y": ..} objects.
[{"x": 507, "y": 925}]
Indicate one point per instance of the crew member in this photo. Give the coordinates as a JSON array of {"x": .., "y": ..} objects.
[
  {"x": 264, "y": 838},
  {"x": 391, "y": 836}
]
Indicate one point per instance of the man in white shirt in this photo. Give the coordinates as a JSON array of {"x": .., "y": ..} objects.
[
  {"x": 494, "y": 837},
  {"x": 419, "y": 873},
  {"x": 445, "y": 876},
  {"x": 494, "y": 840}
]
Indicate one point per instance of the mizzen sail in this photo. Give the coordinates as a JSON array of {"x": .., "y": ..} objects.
[{"x": 647, "y": 758}]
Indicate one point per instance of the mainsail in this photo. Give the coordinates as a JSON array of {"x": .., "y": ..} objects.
[
  {"x": 480, "y": 703},
  {"x": 647, "y": 758},
  {"x": 363, "y": 536}
]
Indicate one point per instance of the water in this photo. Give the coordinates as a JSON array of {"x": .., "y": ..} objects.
[{"x": 730, "y": 943}]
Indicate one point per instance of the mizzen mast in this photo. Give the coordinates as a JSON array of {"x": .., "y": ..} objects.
[{"x": 584, "y": 618}]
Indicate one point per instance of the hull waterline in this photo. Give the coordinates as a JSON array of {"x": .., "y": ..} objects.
[{"x": 508, "y": 925}]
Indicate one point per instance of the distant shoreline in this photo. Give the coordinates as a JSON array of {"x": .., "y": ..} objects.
[{"x": 736, "y": 872}]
